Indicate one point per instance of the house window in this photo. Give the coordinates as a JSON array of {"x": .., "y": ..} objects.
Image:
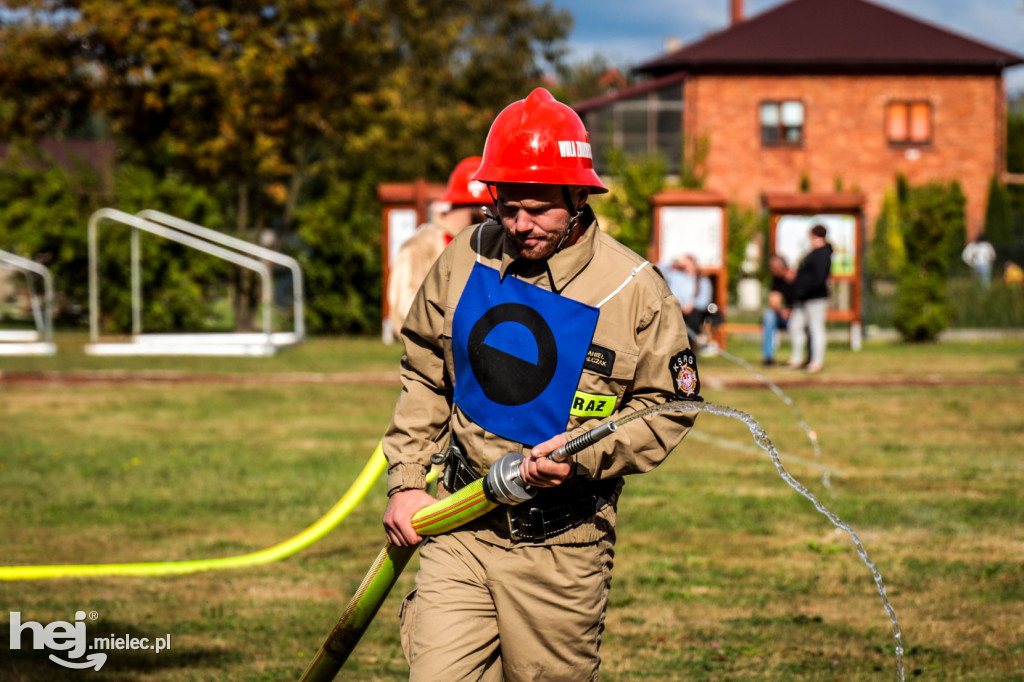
[
  {"x": 782, "y": 123},
  {"x": 649, "y": 123},
  {"x": 908, "y": 123}
]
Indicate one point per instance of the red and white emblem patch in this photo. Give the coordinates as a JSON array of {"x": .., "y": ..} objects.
[
  {"x": 686, "y": 380},
  {"x": 683, "y": 366}
]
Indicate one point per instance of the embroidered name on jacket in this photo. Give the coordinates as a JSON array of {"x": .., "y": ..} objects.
[{"x": 599, "y": 360}]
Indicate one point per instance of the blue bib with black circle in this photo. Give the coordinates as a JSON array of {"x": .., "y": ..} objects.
[{"x": 519, "y": 352}]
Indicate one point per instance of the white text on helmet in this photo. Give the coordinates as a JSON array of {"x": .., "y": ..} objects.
[{"x": 574, "y": 148}]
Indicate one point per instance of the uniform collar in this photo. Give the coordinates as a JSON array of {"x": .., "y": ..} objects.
[
  {"x": 562, "y": 267},
  {"x": 440, "y": 223}
]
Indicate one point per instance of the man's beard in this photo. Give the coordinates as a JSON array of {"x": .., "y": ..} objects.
[
  {"x": 546, "y": 247},
  {"x": 540, "y": 250}
]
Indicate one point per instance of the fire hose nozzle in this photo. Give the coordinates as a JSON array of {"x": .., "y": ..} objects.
[
  {"x": 583, "y": 441},
  {"x": 504, "y": 485}
]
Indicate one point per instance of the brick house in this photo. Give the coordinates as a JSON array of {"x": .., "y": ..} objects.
[{"x": 825, "y": 94}]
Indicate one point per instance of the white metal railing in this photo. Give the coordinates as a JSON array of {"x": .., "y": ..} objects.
[
  {"x": 173, "y": 344},
  {"x": 298, "y": 302},
  {"x": 26, "y": 342}
]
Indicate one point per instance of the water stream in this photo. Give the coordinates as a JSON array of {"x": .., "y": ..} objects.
[
  {"x": 762, "y": 439},
  {"x": 811, "y": 433}
]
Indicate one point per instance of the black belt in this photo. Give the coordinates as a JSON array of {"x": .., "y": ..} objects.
[
  {"x": 536, "y": 520},
  {"x": 551, "y": 513}
]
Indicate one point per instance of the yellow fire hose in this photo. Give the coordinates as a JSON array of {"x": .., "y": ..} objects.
[
  {"x": 375, "y": 466},
  {"x": 500, "y": 486},
  {"x": 503, "y": 486}
]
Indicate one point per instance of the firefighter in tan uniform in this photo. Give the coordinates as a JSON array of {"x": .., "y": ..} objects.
[
  {"x": 457, "y": 209},
  {"x": 530, "y": 329}
]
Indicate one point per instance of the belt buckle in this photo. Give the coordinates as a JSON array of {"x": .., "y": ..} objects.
[
  {"x": 533, "y": 517},
  {"x": 513, "y": 532}
]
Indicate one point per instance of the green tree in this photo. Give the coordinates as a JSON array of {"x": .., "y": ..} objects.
[
  {"x": 41, "y": 86},
  {"x": 627, "y": 206},
  {"x": 998, "y": 216},
  {"x": 1013, "y": 249},
  {"x": 1015, "y": 135},
  {"x": 743, "y": 225},
  {"x": 934, "y": 227},
  {"x": 181, "y": 287},
  {"x": 43, "y": 213},
  {"x": 936, "y": 212},
  {"x": 342, "y": 276},
  {"x": 694, "y": 169},
  {"x": 887, "y": 254},
  {"x": 257, "y": 101},
  {"x": 582, "y": 80}
]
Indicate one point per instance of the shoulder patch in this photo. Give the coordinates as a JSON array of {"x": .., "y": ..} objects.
[{"x": 683, "y": 367}]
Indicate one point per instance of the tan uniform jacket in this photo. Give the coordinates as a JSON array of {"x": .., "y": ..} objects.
[
  {"x": 641, "y": 325},
  {"x": 412, "y": 263}
]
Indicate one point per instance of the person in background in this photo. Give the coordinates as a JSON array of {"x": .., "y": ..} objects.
[
  {"x": 809, "y": 288},
  {"x": 980, "y": 255},
  {"x": 458, "y": 208},
  {"x": 691, "y": 289},
  {"x": 530, "y": 329},
  {"x": 776, "y": 314}
]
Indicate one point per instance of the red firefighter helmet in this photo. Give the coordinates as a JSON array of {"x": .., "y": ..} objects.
[
  {"x": 539, "y": 140},
  {"x": 462, "y": 189}
]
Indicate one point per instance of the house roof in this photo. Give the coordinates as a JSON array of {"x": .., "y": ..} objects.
[
  {"x": 833, "y": 35},
  {"x": 627, "y": 93}
]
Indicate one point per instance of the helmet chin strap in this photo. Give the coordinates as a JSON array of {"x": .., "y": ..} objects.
[
  {"x": 492, "y": 211},
  {"x": 574, "y": 217}
]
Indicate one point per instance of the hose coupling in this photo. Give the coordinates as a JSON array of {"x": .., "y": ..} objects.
[{"x": 504, "y": 485}]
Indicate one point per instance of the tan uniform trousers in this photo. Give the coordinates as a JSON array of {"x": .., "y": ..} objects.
[{"x": 483, "y": 612}]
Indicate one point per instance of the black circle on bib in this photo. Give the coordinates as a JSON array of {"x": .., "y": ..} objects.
[{"x": 505, "y": 378}]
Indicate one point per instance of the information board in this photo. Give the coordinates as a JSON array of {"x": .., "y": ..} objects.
[
  {"x": 792, "y": 239},
  {"x": 401, "y": 226},
  {"x": 693, "y": 230}
]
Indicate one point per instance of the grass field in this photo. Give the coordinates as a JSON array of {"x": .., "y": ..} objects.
[{"x": 722, "y": 571}]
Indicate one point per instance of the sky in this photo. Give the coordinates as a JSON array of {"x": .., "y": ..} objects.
[{"x": 628, "y": 32}]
